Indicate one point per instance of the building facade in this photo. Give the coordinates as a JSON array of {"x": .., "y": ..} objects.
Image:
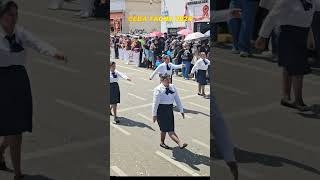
[{"x": 121, "y": 10}]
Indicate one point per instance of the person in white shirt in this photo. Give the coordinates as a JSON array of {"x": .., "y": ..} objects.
[
  {"x": 15, "y": 92},
  {"x": 164, "y": 96},
  {"x": 114, "y": 89},
  {"x": 294, "y": 17},
  {"x": 201, "y": 67},
  {"x": 166, "y": 68}
]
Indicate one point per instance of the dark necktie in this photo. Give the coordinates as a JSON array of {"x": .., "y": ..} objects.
[
  {"x": 114, "y": 75},
  {"x": 14, "y": 46},
  {"x": 168, "y": 67},
  {"x": 169, "y": 91},
  {"x": 307, "y": 4},
  {"x": 205, "y": 62}
]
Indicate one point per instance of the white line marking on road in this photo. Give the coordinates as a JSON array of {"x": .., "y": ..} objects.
[
  {"x": 134, "y": 107},
  {"x": 82, "y": 109},
  {"x": 120, "y": 129},
  {"x": 287, "y": 140},
  {"x": 244, "y": 172},
  {"x": 145, "y": 117},
  {"x": 202, "y": 107},
  {"x": 201, "y": 143},
  {"x": 59, "y": 21},
  {"x": 64, "y": 148},
  {"x": 138, "y": 97},
  {"x": 179, "y": 165},
  {"x": 57, "y": 66},
  {"x": 118, "y": 171}
]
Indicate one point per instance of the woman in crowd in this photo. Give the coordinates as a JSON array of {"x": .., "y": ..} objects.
[
  {"x": 15, "y": 92},
  {"x": 186, "y": 57}
]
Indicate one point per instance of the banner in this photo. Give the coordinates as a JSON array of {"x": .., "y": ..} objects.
[{"x": 200, "y": 9}]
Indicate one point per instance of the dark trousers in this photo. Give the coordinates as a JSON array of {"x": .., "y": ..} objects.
[{"x": 116, "y": 52}]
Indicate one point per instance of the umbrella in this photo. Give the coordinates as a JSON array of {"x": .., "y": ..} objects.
[
  {"x": 207, "y": 33},
  {"x": 193, "y": 36},
  {"x": 154, "y": 34},
  {"x": 185, "y": 32}
]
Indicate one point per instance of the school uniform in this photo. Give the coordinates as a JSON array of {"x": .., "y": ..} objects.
[
  {"x": 294, "y": 17},
  {"x": 162, "y": 106},
  {"x": 165, "y": 68},
  {"x": 15, "y": 92},
  {"x": 201, "y": 66},
  {"x": 114, "y": 86}
]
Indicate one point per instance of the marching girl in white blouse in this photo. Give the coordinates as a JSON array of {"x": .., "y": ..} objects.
[
  {"x": 201, "y": 66},
  {"x": 166, "y": 68},
  {"x": 15, "y": 92},
  {"x": 164, "y": 96},
  {"x": 114, "y": 89}
]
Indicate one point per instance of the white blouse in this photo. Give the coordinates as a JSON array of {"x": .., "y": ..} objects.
[
  {"x": 160, "y": 97},
  {"x": 162, "y": 69},
  {"x": 25, "y": 39},
  {"x": 200, "y": 65},
  {"x": 117, "y": 75}
]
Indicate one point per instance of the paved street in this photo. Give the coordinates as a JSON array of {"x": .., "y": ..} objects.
[
  {"x": 69, "y": 141},
  {"x": 272, "y": 142},
  {"x": 135, "y": 149}
]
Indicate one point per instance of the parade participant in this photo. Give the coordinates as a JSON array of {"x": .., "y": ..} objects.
[
  {"x": 15, "y": 92},
  {"x": 127, "y": 50},
  {"x": 186, "y": 56},
  {"x": 164, "y": 96},
  {"x": 136, "y": 47},
  {"x": 165, "y": 68},
  {"x": 201, "y": 67},
  {"x": 294, "y": 18},
  {"x": 114, "y": 89}
]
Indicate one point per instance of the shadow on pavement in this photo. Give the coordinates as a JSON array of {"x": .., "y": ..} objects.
[
  {"x": 190, "y": 158},
  {"x": 188, "y": 111},
  {"x": 130, "y": 123},
  {"x": 244, "y": 156}
]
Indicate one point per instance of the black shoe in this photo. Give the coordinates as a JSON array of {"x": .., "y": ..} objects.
[
  {"x": 286, "y": 103},
  {"x": 183, "y": 146},
  {"x": 164, "y": 146}
]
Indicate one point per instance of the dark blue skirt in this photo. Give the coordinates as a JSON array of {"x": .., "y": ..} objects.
[
  {"x": 293, "y": 51},
  {"x": 15, "y": 101},
  {"x": 114, "y": 93},
  {"x": 201, "y": 77},
  {"x": 165, "y": 117}
]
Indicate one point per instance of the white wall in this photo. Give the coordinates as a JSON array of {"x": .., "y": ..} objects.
[
  {"x": 175, "y": 8},
  {"x": 117, "y": 5}
]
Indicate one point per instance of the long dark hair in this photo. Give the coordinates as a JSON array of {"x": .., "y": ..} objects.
[{"x": 6, "y": 6}]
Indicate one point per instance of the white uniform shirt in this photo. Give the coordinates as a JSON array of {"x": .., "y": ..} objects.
[
  {"x": 162, "y": 69},
  {"x": 117, "y": 74},
  {"x": 160, "y": 97},
  {"x": 25, "y": 39},
  {"x": 287, "y": 12},
  {"x": 200, "y": 65}
]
